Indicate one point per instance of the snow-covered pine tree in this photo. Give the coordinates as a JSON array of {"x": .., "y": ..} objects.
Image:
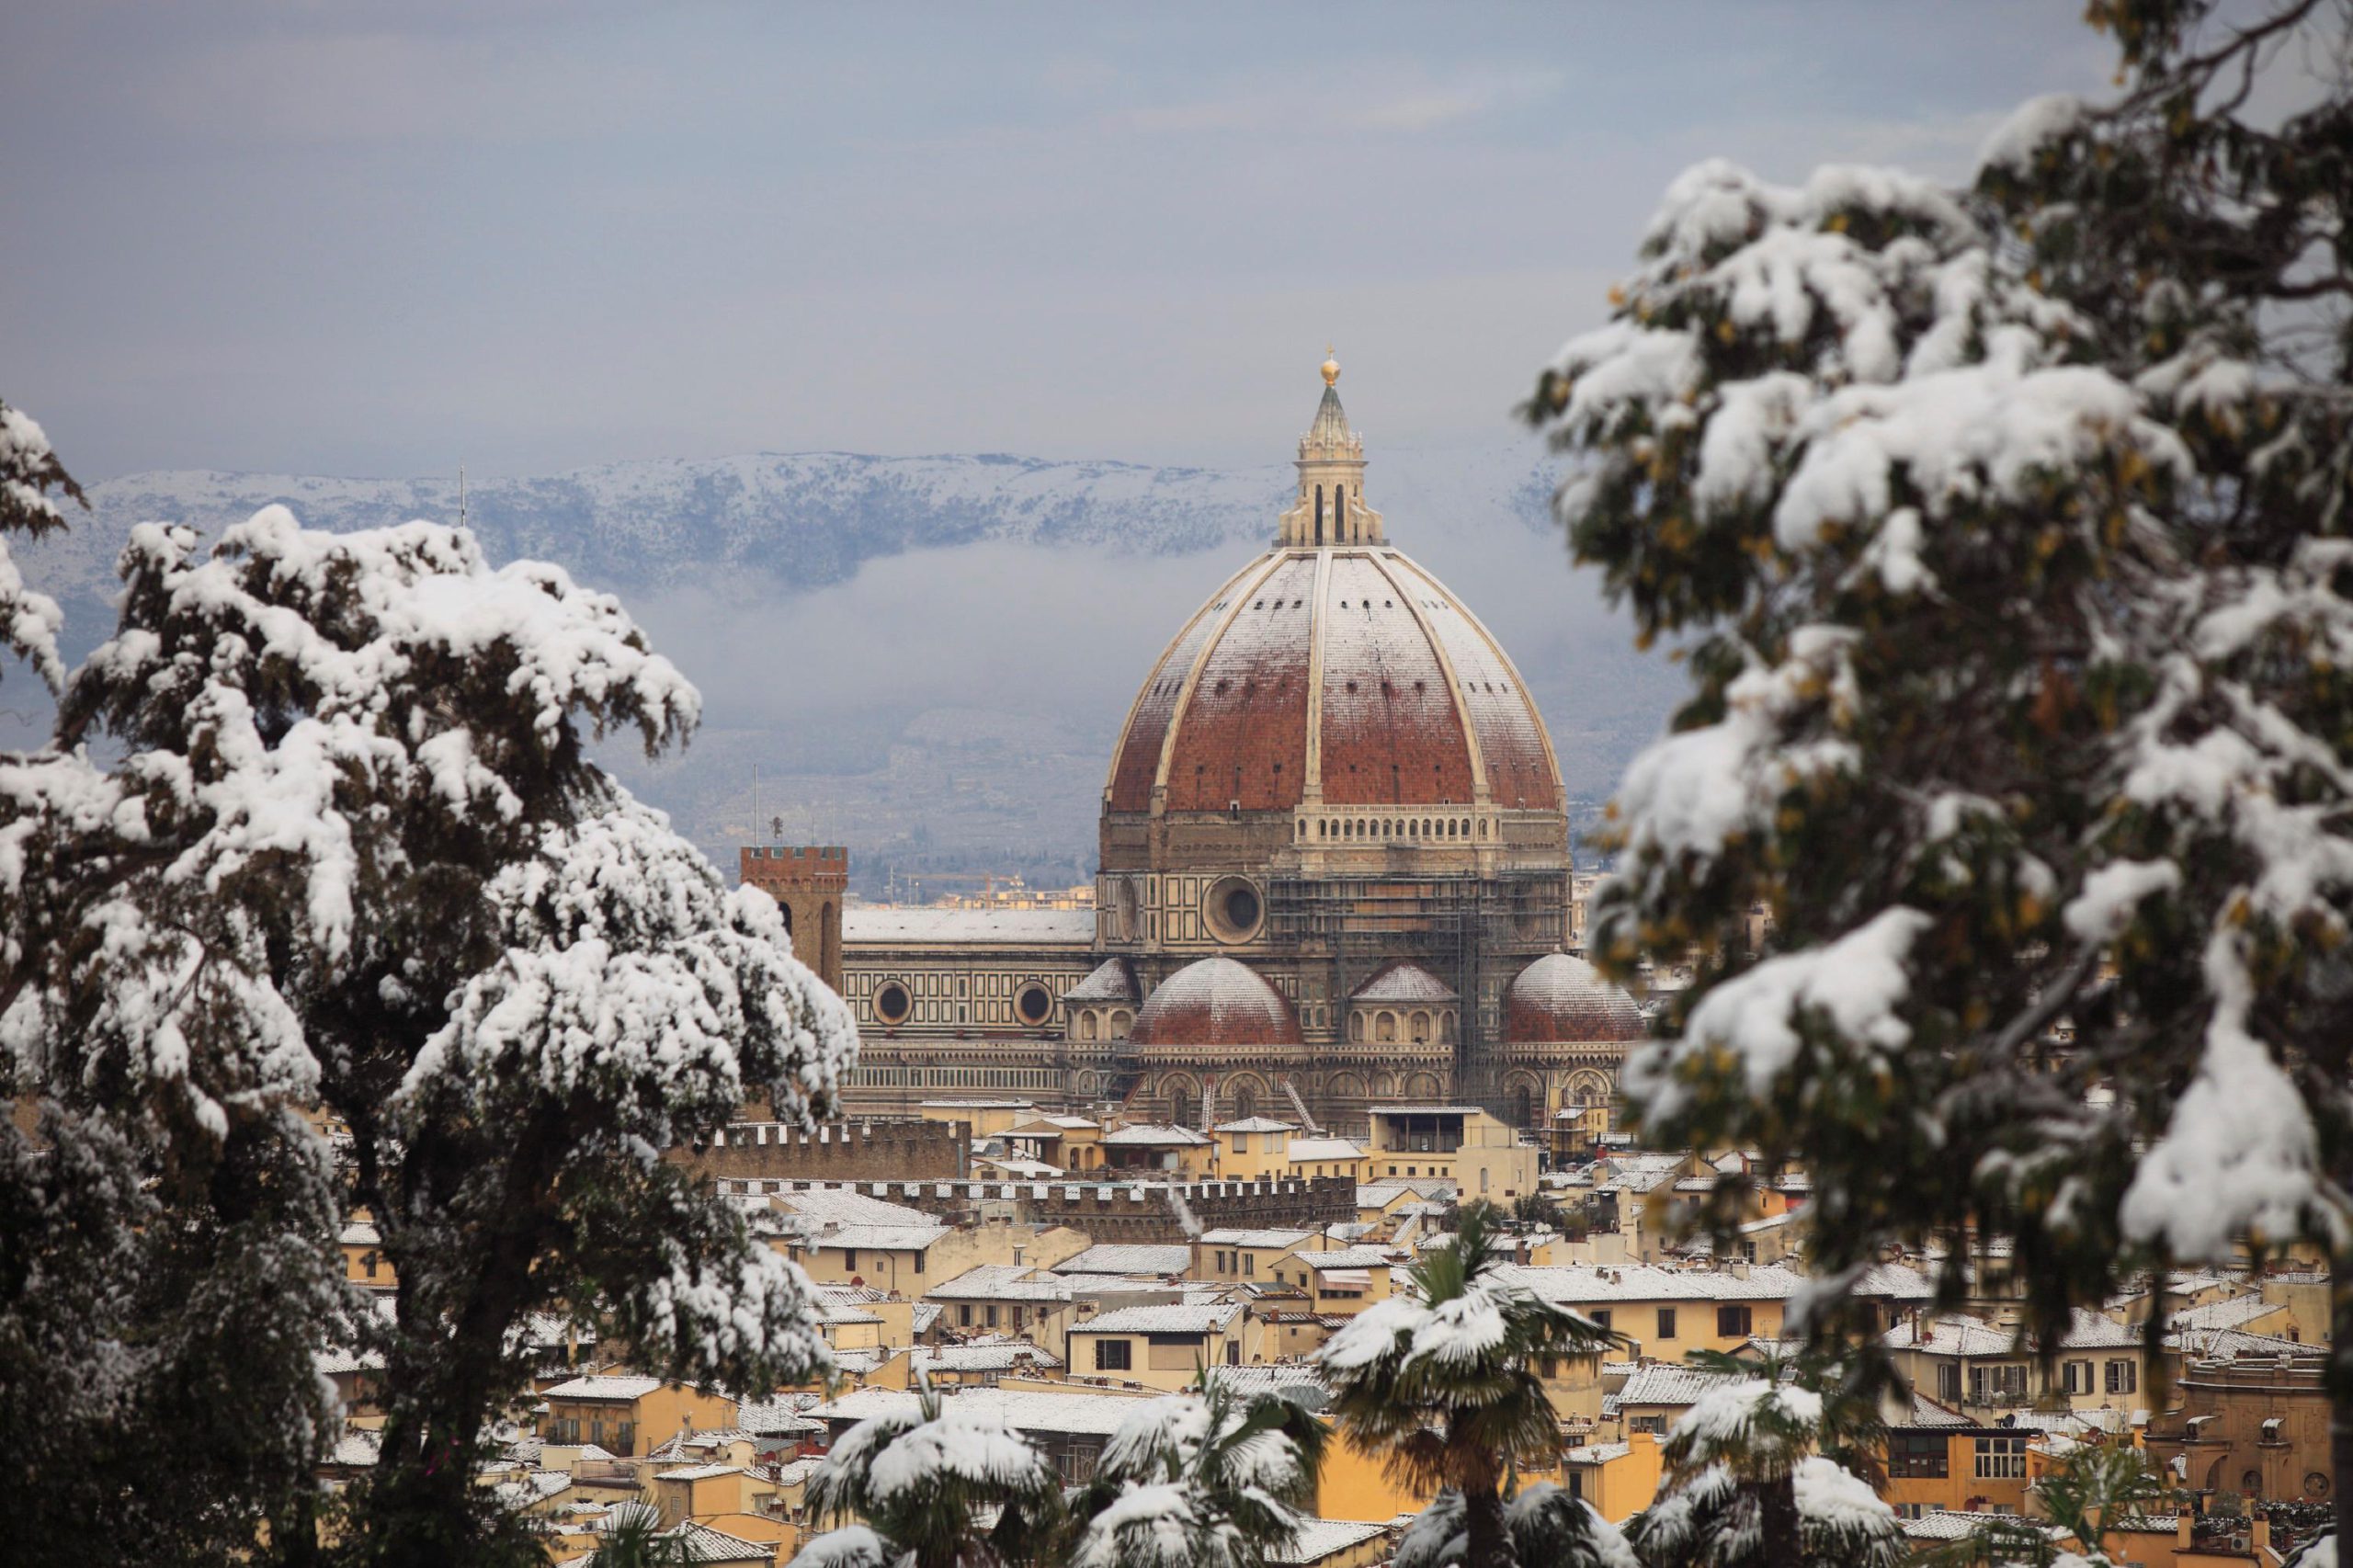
[
  {"x": 356, "y": 923},
  {"x": 29, "y": 469},
  {"x": 2007, "y": 534}
]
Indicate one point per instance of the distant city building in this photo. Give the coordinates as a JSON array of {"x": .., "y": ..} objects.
[{"x": 1335, "y": 867}]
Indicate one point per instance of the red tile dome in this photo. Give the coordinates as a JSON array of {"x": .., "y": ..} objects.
[
  {"x": 1336, "y": 655},
  {"x": 1561, "y": 998},
  {"x": 1215, "y": 1002}
]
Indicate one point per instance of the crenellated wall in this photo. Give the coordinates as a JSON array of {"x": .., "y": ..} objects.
[{"x": 860, "y": 1151}]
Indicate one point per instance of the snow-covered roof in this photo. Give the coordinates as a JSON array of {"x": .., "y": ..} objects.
[
  {"x": 1024, "y": 1409},
  {"x": 2233, "y": 1312},
  {"x": 778, "y": 1418},
  {"x": 1129, "y": 1258},
  {"x": 2092, "y": 1331},
  {"x": 1597, "y": 1453},
  {"x": 1320, "y": 1539},
  {"x": 357, "y": 1449},
  {"x": 1268, "y": 1236},
  {"x": 840, "y": 1206},
  {"x": 1113, "y": 980},
  {"x": 1296, "y": 1380},
  {"x": 1152, "y": 1136},
  {"x": 1345, "y": 1258},
  {"x": 1302, "y": 1149},
  {"x": 1571, "y": 1284},
  {"x": 1954, "y": 1334},
  {"x": 881, "y": 923},
  {"x": 1001, "y": 1282},
  {"x": 613, "y": 1386},
  {"x": 1926, "y": 1412},
  {"x": 1256, "y": 1124},
  {"x": 1189, "y": 1318},
  {"x": 1661, "y": 1382},
  {"x": 1049, "y": 1124},
  {"x": 1955, "y": 1525},
  {"x": 1895, "y": 1282},
  {"x": 1000, "y": 1356},
  {"x": 2228, "y": 1344},
  {"x": 360, "y": 1233},
  {"x": 702, "y": 1543},
  {"x": 700, "y": 1472},
  {"x": 876, "y": 1238}
]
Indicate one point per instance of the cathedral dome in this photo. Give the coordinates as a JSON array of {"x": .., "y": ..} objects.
[
  {"x": 1337, "y": 664},
  {"x": 1215, "y": 1002},
  {"x": 1561, "y": 997}
]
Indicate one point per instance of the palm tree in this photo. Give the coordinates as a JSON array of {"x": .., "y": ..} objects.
[
  {"x": 916, "y": 1487},
  {"x": 1201, "y": 1478},
  {"x": 1744, "y": 1486},
  {"x": 1545, "y": 1524},
  {"x": 635, "y": 1539},
  {"x": 1441, "y": 1380}
]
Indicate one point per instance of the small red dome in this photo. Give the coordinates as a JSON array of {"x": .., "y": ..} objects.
[
  {"x": 1561, "y": 998},
  {"x": 1215, "y": 1002}
]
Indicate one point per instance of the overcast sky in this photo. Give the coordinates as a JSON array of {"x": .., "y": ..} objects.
[{"x": 362, "y": 239}]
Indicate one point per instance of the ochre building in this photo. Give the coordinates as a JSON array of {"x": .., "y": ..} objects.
[{"x": 1335, "y": 871}]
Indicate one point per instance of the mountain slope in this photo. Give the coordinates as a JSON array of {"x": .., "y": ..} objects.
[{"x": 927, "y": 658}]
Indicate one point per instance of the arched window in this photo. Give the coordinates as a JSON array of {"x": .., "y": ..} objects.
[
  {"x": 1384, "y": 1027},
  {"x": 1420, "y": 1029},
  {"x": 1339, "y": 511},
  {"x": 1355, "y": 1025},
  {"x": 1319, "y": 514}
]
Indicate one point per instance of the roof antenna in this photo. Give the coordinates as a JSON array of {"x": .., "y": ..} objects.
[{"x": 461, "y": 494}]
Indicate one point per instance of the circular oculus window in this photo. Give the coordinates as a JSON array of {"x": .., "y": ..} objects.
[
  {"x": 1035, "y": 1004},
  {"x": 1234, "y": 909},
  {"x": 891, "y": 1003}
]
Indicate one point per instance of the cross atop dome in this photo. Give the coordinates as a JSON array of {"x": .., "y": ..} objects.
[{"x": 1330, "y": 509}]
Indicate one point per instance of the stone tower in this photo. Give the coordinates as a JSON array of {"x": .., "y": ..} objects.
[{"x": 810, "y": 881}]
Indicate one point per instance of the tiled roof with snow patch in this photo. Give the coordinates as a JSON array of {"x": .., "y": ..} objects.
[
  {"x": 1001, "y": 1282},
  {"x": 1302, "y": 1149},
  {"x": 1254, "y": 1124},
  {"x": 1129, "y": 1258},
  {"x": 1344, "y": 1257},
  {"x": 1955, "y": 1333},
  {"x": 1268, "y": 1236},
  {"x": 2236, "y": 1311},
  {"x": 699, "y": 1472},
  {"x": 1954, "y": 1525},
  {"x": 1659, "y": 1382},
  {"x": 1203, "y": 1318},
  {"x": 1318, "y": 1539},
  {"x": 1024, "y": 1409},
  {"x": 1151, "y": 1136},
  {"x": 1571, "y": 1284},
  {"x": 983, "y": 1357},
  {"x": 612, "y": 1386}
]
